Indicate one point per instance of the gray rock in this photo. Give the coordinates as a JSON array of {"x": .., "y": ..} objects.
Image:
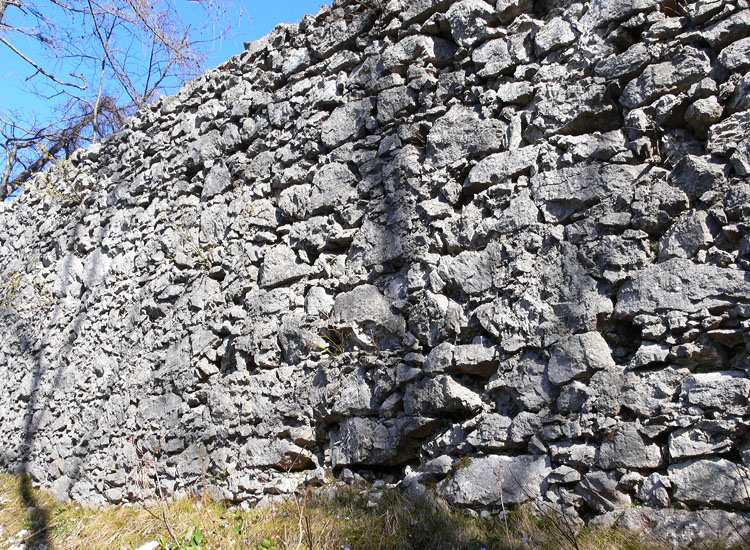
[
  {"x": 727, "y": 391},
  {"x": 517, "y": 93},
  {"x": 95, "y": 268},
  {"x": 268, "y": 452},
  {"x": 703, "y": 10},
  {"x": 689, "y": 235},
  {"x": 562, "y": 193},
  {"x": 417, "y": 50},
  {"x": 346, "y": 122},
  {"x": 473, "y": 272},
  {"x": 491, "y": 432},
  {"x": 380, "y": 244},
  {"x": 606, "y": 392},
  {"x": 728, "y": 30},
  {"x": 601, "y": 492},
  {"x": 520, "y": 213},
  {"x": 702, "y": 114},
  {"x": 468, "y": 21},
  {"x": 579, "y": 455},
  {"x": 494, "y": 479},
  {"x": 688, "y": 442},
  {"x": 740, "y": 159},
  {"x": 215, "y": 222},
  {"x": 523, "y": 427},
  {"x": 207, "y": 147},
  {"x": 555, "y": 34},
  {"x": 697, "y": 175},
  {"x": 625, "y": 65},
  {"x": 579, "y": 107},
  {"x": 440, "y": 465},
  {"x": 736, "y": 56},
  {"x": 628, "y": 450},
  {"x": 679, "y": 284},
  {"x": 740, "y": 98},
  {"x": 318, "y": 302},
  {"x": 507, "y": 10},
  {"x": 494, "y": 57},
  {"x": 474, "y": 359},
  {"x": 295, "y": 59},
  {"x": 685, "y": 68},
  {"x": 436, "y": 208},
  {"x": 84, "y": 492},
  {"x": 501, "y": 167},
  {"x": 440, "y": 395},
  {"x": 461, "y": 133},
  {"x": 681, "y": 528},
  {"x": 367, "y": 312},
  {"x": 737, "y": 205},
  {"x": 709, "y": 481},
  {"x": 654, "y": 490},
  {"x": 604, "y": 12},
  {"x": 281, "y": 266},
  {"x": 217, "y": 181},
  {"x": 351, "y": 396},
  {"x": 333, "y": 186},
  {"x": 394, "y": 102},
  {"x": 724, "y": 136},
  {"x": 563, "y": 475},
  {"x": 578, "y": 356},
  {"x": 434, "y": 318},
  {"x": 649, "y": 353},
  {"x": 294, "y": 201},
  {"x": 525, "y": 382},
  {"x": 368, "y": 441}
]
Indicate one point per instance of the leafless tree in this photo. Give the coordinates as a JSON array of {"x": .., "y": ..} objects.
[{"x": 118, "y": 55}]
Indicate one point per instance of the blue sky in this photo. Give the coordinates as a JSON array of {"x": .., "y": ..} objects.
[
  {"x": 252, "y": 19},
  {"x": 257, "y": 20}
]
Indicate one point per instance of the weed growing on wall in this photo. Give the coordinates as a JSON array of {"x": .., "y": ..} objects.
[
  {"x": 202, "y": 254},
  {"x": 376, "y": 6},
  {"x": 330, "y": 339},
  {"x": 61, "y": 182},
  {"x": 24, "y": 292}
]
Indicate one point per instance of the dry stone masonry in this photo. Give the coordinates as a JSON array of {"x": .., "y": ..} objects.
[{"x": 486, "y": 247}]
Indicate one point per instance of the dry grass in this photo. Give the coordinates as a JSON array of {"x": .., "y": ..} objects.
[{"x": 317, "y": 522}]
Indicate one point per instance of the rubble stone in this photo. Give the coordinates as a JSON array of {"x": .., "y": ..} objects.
[{"x": 498, "y": 245}]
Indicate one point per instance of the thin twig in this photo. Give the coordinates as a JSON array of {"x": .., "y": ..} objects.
[
  {"x": 502, "y": 501},
  {"x": 568, "y": 532},
  {"x": 45, "y": 73}
]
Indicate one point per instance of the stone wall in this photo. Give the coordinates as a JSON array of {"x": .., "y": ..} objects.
[{"x": 441, "y": 242}]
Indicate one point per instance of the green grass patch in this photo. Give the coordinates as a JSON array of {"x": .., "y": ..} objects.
[{"x": 315, "y": 521}]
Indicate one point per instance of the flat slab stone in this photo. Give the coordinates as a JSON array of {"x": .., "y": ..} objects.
[
  {"x": 727, "y": 391},
  {"x": 368, "y": 312},
  {"x": 461, "y": 132},
  {"x": 577, "y": 356},
  {"x": 561, "y": 193},
  {"x": 679, "y": 284},
  {"x": 684, "y": 69},
  {"x": 680, "y": 528},
  {"x": 280, "y": 266},
  {"x": 710, "y": 481},
  {"x": 480, "y": 482},
  {"x": 346, "y": 122}
]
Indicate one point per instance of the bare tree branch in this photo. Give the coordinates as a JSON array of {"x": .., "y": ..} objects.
[
  {"x": 10, "y": 159},
  {"x": 45, "y": 73},
  {"x": 96, "y": 41}
]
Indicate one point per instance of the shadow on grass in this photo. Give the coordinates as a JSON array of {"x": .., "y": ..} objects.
[{"x": 38, "y": 520}]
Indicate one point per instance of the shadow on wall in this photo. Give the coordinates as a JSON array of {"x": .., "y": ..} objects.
[{"x": 48, "y": 363}]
